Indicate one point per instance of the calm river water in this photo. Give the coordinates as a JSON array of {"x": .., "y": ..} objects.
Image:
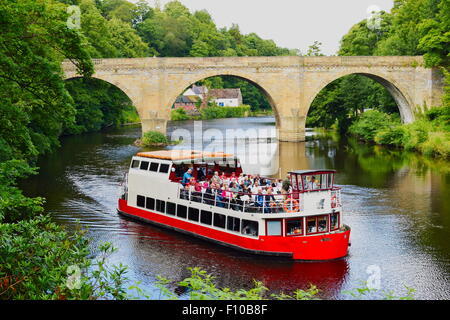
[{"x": 397, "y": 204}]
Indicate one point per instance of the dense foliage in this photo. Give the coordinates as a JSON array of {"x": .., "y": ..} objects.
[
  {"x": 430, "y": 134},
  {"x": 413, "y": 27},
  {"x": 98, "y": 104},
  {"x": 35, "y": 108}
]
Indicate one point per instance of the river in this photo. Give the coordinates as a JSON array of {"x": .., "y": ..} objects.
[{"x": 397, "y": 204}]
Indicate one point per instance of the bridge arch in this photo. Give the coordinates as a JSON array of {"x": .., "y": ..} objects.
[
  {"x": 118, "y": 90},
  {"x": 264, "y": 88},
  {"x": 121, "y": 85},
  {"x": 399, "y": 93}
]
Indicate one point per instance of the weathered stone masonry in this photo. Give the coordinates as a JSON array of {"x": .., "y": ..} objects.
[{"x": 290, "y": 83}]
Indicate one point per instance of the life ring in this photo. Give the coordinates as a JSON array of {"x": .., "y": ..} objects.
[
  {"x": 333, "y": 201},
  {"x": 293, "y": 204}
]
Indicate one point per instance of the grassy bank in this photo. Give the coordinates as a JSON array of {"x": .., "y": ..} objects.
[{"x": 429, "y": 134}]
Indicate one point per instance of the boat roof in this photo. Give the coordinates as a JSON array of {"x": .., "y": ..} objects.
[
  {"x": 313, "y": 171},
  {"x": 178, "y": 155}
]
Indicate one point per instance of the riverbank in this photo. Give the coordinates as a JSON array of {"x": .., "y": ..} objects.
[{"x": 428, "y": 135}]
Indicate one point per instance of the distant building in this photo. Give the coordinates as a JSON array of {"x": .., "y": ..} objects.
[
  {"x": 199, "y": 95},
  {"x": 226, "y": 97},
  {"x": 199, "y": 91}
]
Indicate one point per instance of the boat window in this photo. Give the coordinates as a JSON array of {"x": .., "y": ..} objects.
[
  {"x": 219, "y": 220},
  {"x": 233, "y": 223},
  {"x": 171, "y": 208},
  {"x": 326, "y": 181},
  {"x": 249, "y": 227},
  {"x": 193, "y": 214},
  {"x": 311, "y": 182},
  {"x": 274, "y": 228},
  {"x": 181, "y": 211},
  {"x": 294, "y": 182},
  {"x": 160, "y": 205},
  {"x": 334, "y": 221},
  {"x": 164, "y": 168},
  {"x": 180, "y": 169},
  {"x": 311, "y": 225},
  {"x": 210, "y": 169},
  {"x": 322, "y": 223},
  {"x": 140, "y": 201},
  {"x": 206, "y": 217},
  {"x": 150, "y": 203},
  {"x": 294, "y": 227},
  {"x": 135, "y": 163},
  {"x": 144, "y": 165},
  {"x": 154, "y": 166}
]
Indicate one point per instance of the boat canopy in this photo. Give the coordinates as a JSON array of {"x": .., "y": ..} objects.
[
  {"x": 188, "y": 156},
  {"x": 313, "y": 171}
]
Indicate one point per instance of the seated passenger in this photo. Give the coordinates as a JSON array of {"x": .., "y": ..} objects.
[
  {"x": 233, "y": 177},
  {"x": 224, "y": 179},
  {"x": 215, "y": 178},
  {"x": 254, "y": 190}
]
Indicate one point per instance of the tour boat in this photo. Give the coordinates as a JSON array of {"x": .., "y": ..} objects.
[{"x": 303, "y": 223}]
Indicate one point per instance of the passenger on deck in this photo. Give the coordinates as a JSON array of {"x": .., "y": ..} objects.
[
  {"x": 187, "y": 176},
  {"x": 233, "y": 177},
  {"x": 241, "y": 179},
  {"x": 223, "y": 178},
  {"x": 215, "y": 178},
  {"x": 270, "y": 205},
  {"x": 286, "y": 184},
  {"x": 259, "y": 201},
  {"x": 254, "y": 190}
]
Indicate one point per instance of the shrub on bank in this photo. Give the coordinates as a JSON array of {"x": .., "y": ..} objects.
[
  {"x": 154, "y": 138},
  {"x": 216, "y": 112},
  {"x": 212, "y": 112},
  {"x": 179, "y": 114},
  {"x": 430, "y": 134},
  {"x": 371, "y": 122},
  {"x": 392, "y": 136}
]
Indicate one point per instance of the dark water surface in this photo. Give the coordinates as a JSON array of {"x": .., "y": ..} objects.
[{"x": 397, "y": 204}]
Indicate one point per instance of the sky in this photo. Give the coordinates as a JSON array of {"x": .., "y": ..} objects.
[{"x": 293, "y": 24}]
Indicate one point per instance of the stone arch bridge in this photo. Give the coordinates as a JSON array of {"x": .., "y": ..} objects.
[{"x": 290, "y": 83}]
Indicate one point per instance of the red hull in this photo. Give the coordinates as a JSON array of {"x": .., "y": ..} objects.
[{"x": 313, "y": 247}]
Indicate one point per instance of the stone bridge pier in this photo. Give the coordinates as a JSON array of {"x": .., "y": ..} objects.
[{"x": 289, "y": 83}]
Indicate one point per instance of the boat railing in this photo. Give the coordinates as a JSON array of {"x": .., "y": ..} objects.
[{"x": 253, "y": 203}]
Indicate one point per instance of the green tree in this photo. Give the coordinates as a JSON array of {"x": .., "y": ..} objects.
[{"x": 34, "y": 41}]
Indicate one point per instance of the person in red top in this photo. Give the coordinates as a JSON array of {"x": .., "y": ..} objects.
[
  {"x": 196, "y": 188},
  {"x": 223, "y": 178}
]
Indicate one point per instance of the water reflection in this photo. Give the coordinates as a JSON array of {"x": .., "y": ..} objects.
[{"x": 396, "y": 202}]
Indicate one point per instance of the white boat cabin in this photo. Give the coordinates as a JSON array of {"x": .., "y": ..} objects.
[{"x": 310, "y": 206}]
